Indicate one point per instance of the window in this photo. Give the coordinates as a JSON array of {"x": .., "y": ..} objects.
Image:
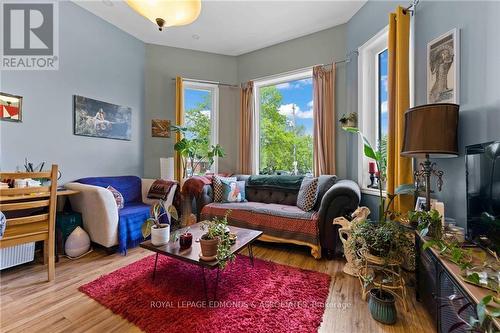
[
  {"x": 200, "y": 117},
  {"x": 372, "y": 103},
  {"x": 284, "y": 125}
]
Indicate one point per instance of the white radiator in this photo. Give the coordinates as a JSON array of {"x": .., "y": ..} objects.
[{"x": 16, "y": 255}]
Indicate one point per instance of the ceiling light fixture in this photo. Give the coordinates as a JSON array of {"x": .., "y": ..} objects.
[{"x": 167, "y": 13}]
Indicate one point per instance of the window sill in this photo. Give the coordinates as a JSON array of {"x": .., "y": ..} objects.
[{"x": 373, "y": 191}]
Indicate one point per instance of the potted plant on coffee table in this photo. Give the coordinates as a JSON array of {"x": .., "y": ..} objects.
[
  {"x": 216, "y": 242},
  {"x": 158, "y": 225}
]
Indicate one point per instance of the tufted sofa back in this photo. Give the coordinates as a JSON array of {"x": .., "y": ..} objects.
[{"x": 269, "y": 194}]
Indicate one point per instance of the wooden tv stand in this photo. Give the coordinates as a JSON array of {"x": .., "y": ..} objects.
[{"x": 438, "y": 279}]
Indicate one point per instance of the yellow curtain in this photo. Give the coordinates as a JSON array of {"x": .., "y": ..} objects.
[
  {"x": 399, "y": 169},
  {"x": 246, "y": 129},
  {"x": 179, "y": 120},
  {"x": 324, "y": 120}
]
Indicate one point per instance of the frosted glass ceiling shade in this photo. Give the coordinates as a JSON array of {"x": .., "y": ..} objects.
[{"x": 167, "y": 13}]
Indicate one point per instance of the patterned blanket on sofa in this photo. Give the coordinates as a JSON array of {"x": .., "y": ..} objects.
[{"x": 282, "y": 221}]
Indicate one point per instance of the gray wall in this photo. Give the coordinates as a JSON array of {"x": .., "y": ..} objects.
[
  {"x": 97, "y": 60},
  {"x": 319, "y": 48},
  {"x": 479, "y": 79},
  {"x": 164, "y": 63}
]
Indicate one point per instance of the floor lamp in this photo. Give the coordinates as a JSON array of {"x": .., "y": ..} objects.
[{"x": 430, "y": 132}]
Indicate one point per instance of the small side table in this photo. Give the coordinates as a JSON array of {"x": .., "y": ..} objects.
[{"x": 386, "y": 275}]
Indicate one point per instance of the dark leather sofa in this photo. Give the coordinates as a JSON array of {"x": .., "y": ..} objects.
[{"x": 273, "y": 210}]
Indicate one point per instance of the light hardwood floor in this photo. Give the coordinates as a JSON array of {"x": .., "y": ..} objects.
[{"x": 29, "y": 304}]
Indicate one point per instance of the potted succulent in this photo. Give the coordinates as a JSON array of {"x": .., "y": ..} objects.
[
  {"x": 216, "y": 242},
  {"x": 158, "y": 225},
  {"x": 349, "y": 119}
]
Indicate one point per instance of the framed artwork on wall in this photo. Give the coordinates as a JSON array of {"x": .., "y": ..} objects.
[
  {"x": 100, "y": 119},
  {"x": 160, "y": 128},
  {"x": 11, "y": 107},
  {"x": 443, "y": 68}
]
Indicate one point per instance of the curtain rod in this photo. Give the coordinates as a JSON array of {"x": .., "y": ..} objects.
[{"x": 209, "y": 82}]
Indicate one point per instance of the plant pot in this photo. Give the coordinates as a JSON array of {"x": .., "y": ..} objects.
[
  {"x": 209, "y": 247},
  {"x": 160, "y": 236},
  {"x": 382, "y": 306}
]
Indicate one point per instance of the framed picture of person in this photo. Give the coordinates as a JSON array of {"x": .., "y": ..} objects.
[{"x": 443, "y": 68}]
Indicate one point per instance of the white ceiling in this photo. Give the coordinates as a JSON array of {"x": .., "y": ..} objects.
[{"x": 231, "y": 27}]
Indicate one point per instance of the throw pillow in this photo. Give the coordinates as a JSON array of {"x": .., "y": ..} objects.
[
  {"x": 233, "y": 191},
  {"x": 217, "y": 185},
  {"x": 307, "y": 194},
  {"x": 118, "y": 196},
  {"x": 325, "y": 182}
]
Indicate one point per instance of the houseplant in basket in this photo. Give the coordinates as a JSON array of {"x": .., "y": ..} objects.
[
  {"x": 216, "y": 242},
  {"x": 158, "y": 225},
  {"x": 349, "y": 119},
  {"x": 386, "y": 241}
]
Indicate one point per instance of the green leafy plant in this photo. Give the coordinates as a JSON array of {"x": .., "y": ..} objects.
[
  {"x": 217, "y": 228},
  {"x": 158, "y": 211},
  {"x": 485, "y": 313},
  {"x": 194, "y": 152},
  {"x": 428, "y": 223}
]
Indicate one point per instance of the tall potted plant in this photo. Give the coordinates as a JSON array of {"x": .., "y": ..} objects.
[
  {"x": 385, "y": 239},
  {"x": 194, "y": 151}
]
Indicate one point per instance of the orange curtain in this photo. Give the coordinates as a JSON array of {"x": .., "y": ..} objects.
[
  {"x": 324, "y": 120},
  {"x": 179, "y": 120},
  {"x": 399, "y": 169},
  {"x": 246, "y": 129}
]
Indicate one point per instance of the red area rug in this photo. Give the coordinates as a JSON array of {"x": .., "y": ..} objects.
[{"x": 265, "y": 298}]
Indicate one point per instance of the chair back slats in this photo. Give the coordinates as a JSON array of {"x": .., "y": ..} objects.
[
  {"x": 28, "y": 219},
  {"x": 24, "y": 190},
  {"x": 31, "y": 213},
  {"x": 24, "y": 205},
  {"x": 23, "y": 175}
]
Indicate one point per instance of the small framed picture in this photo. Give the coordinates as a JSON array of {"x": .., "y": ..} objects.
[
  {"x": 420, "y": 204},
  {"x": 11, "y": 107},
  {"x": 160, "y": 128},
  {"x": 443, "y": 68}
]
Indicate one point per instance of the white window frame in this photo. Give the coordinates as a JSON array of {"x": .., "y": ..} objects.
[
  {"x": 368, "y": 103},
  {"x": 300, "y": 74},
  {"x": 214, "y": 116}
]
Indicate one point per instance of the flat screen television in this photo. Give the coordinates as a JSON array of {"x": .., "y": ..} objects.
[{"x": 483, "y": 194}]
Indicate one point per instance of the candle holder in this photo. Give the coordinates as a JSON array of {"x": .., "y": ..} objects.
[{"x": 372, "y": 180}]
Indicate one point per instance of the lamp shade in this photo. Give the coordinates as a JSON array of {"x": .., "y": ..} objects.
[
  {"x": 167, "y": 13},
  {"x": 431, "y": 130}
]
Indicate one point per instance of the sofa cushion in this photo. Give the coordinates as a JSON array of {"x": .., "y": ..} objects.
[
  {"x": 118, "y": 196},
  {"x": 307, "y": 194},
  {"x": 131, "y": 219},
  {"x": 284, "y": 182},
  {"x": 282, "y": 221},
  {"x": 128, "y": 186},
  {"x": 233, "y": 191},
  {"x": 217, "y": 185},
  {"x": 325, "y": 182}
]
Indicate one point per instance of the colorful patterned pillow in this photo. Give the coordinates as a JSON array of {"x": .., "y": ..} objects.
[
  {"x": 307, "y": 194},
  {"x": 217, "y": 185},
  {"x": 118, "y": 196},
  {"x": 233, "y": 191}
]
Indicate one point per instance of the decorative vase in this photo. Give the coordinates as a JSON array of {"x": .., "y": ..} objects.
[
  {"x": 160, "y": 235},
  {"x": 78, "y": 243},
  {"x": 382, "y": 306},
  {"x": 209, "y": 247}
]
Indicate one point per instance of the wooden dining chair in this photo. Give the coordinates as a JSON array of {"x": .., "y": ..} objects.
[{"x": 31, "y": 213}]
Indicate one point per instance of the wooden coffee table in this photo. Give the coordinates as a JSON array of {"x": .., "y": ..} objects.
[{"x": 245, "y": 238}]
